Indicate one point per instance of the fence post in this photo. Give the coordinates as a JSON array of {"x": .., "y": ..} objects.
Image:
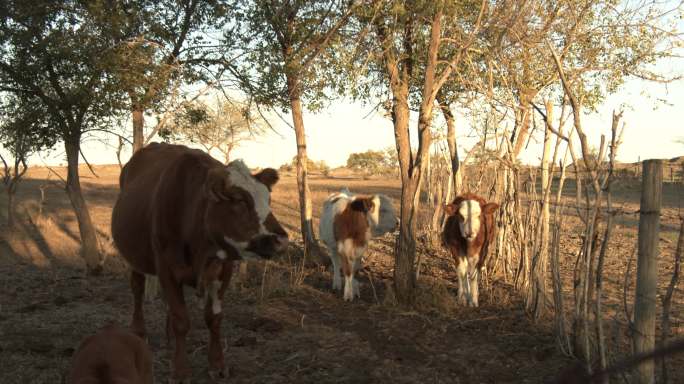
[{"x": 645, "y": 298}]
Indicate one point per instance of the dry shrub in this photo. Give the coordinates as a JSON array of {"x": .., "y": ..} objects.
[
  {"x": 275, "y": 281},
  {"x": 432, "y": 295},
  {"x": 390, "y": 298}
]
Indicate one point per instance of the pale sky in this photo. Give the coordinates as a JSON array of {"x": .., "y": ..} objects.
[{"x": 346, "y": 127}]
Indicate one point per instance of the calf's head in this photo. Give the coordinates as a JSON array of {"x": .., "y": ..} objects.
[
  {"x": 379, "y": 211},
  {"x": 383, "y": 217},
  {"x": 238, "y": 216},
  {"x": 470, "y": 211}
]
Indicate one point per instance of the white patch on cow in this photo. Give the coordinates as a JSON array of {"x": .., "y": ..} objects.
[
  {"x": 346, "y": 248},
  {"x": 387, "y": 218},
  {"x": 221, "y": 254},
  {"x": 240, "y": 176},
  {"x": 212, "y": 297},
  {"x": 241, "y": 248},
  {"x": 469, "y": 219},
  {"x": 349, "y": 288}
]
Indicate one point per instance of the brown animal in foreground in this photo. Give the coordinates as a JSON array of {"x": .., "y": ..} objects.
[
  {"x": 113, "y": 355},
  {"x": 469, "y": 230},
  {"x": 185, "y": 217}
]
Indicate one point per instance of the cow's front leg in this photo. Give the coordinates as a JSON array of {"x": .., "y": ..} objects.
[
  {"x": 473, "y": 274},
  {"x": 345, "y": 251},
  {"x": 138, "y": 289},
  {"x": 213, "y": 315},
  {"x": 462, "y": 272},
  {"x": 180, "y": 325}
]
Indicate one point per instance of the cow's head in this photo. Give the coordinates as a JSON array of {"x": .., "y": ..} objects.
[
  {"x": 379, "y": 211},
  {"x": 470, "y": 211},
  {"x": 238, "y": 215}
]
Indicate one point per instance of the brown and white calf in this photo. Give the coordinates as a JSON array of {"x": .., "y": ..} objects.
[
  {"x": 468, "y": 232},
  {"x": 113, "y": 355},
  {"x": 347, "y": 224}
]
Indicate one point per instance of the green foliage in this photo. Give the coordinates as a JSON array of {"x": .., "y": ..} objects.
[
  {"x": 373, "y": 162},
  {"x": 315, "y": 166},
  {"x": 278, "y": 40},
  {"x": 25, "y": 127},
  {"x": 159, "y": 43},
  {"x": 223, "y": 125},
  {"x": 54, "y": 54}
]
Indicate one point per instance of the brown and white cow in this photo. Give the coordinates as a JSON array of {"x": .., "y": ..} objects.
[
  {"x": 468, "y": 232},
  {"x": 113, "y": 355},
  {"x": 347, "y": 223},
  {"x": 186, "y": 217}
]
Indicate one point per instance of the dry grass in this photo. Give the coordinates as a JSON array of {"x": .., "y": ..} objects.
[{"x": 283, "y": 323}]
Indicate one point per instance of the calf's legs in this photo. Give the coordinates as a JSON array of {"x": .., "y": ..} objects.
[
  {"x": 468, "y": 275},
  {"x": 473, "y": 274}
]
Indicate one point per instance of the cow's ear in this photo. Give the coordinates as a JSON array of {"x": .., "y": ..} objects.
[
  {"x": 489, "y": 208},
  {"x": 450, "y": 209},
  {"x": 362, "y": 205},
  {"x": 218, "y": 180},
  {"x": 269, "y": 177}
]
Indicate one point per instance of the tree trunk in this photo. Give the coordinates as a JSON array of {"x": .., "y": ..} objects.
[
  {"x": 405, "y": 247},
  {"x": 305, "y": 206},
  {"x": 540, "y": 261},
  {"x": 647, "y": 266},
  {"x": 451, "y": 142},
  {"x": 138, "y": 127},
  {"x": 522, "y": 124},
  {"x": 90, "y": 248},
  {"x": 10, "y": 206}
]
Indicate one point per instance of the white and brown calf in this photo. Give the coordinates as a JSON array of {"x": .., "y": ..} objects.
[
  {"x": 468, "y": 232},
  {"x": 347, "y": 224}
]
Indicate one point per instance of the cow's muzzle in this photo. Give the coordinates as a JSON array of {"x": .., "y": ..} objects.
[{"x": 268, "y": 246}]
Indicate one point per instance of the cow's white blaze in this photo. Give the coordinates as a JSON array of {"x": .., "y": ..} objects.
[
  {"x": 469, "y": 218},
  {"x": 240, "y": 176}
]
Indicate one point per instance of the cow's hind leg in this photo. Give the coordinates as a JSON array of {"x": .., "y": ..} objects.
[
  {"x": 180, "y": 325},
  {"x": 355, "y": 284},
  {"x": 138, "y": 288},
  {"x": 337, "y": 278}
]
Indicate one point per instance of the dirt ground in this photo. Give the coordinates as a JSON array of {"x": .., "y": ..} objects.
[{"x": 283, "y": 323}]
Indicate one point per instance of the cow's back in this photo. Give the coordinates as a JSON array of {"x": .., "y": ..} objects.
[
  {"x": 134, "y": 212},
  {"x": 332, "y": 206}
]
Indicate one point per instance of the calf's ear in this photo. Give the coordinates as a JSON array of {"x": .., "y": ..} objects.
[
  {"x": 450, "y": 209},
  {"x": 268, "y": 177},
  {"x": 217, "y": 182},
  {"x": 489, "y": 208}
]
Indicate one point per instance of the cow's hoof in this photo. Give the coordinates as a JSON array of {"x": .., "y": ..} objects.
[{"x": 219, "y": 375}]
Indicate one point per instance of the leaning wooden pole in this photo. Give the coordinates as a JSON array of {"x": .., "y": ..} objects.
[{"x": 647, "y": 278}]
